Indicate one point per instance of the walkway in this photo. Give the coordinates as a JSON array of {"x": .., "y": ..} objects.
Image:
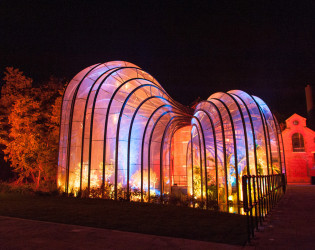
[
  {"x": 29, "y": 234},
  {"x": 291, "y": 225}
]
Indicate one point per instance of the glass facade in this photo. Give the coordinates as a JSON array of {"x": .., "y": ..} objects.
[{"x": 123, "y": 137}]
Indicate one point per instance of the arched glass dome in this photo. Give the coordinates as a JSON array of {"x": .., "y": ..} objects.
[{"x": 123, "y": 137}]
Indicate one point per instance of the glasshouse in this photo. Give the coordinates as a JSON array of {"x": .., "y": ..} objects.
[{"x": 123, "y": 137}]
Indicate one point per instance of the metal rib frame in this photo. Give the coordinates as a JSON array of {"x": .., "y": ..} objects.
[
  {"x": 159, "y": 125},
  {"x": 70, "y": 125},
  {"x": 234, "y": 146},
  {"x": 118, "y": 130},
  {"x": 215, "y": 151}
]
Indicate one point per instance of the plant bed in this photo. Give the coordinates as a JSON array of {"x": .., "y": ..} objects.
[{"x": 146, "y": 218}]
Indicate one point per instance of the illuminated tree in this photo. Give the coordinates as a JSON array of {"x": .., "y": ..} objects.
[
  {"x": 15, "y": 86},
  {"x": 30, "y": 126},
  {"x": 25, "y": 140}
]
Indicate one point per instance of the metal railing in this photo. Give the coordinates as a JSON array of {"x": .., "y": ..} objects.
[{"x": 260, "y": 194}]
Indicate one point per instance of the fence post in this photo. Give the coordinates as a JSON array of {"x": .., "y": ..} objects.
[
  {"x": 245, "y": 205},
  {"x": 260, "y": 192},
  {"x": 283, "y": 183}
]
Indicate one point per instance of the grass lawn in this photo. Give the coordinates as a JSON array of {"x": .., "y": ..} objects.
[{"x": 144, "y": 218}]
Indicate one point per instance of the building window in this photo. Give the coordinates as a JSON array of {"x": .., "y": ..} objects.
[
  {"x": 298, "y": 142},
  {"x": 296, "y": 122}
]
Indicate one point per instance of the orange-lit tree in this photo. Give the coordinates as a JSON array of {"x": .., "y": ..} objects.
[
  {"x": 30, "y": 127},
  {"x": 15, "y": 87},
  {"x": 24, "y": 142}
]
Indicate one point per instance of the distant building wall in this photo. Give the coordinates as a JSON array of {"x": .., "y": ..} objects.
[
  {"x": 299, "y": 147},
  {"x": 180, "y": 142}
]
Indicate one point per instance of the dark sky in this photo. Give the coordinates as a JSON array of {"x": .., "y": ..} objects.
[{"x": 192, "y": 48}]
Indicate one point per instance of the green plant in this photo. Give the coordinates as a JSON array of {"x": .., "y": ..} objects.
[
  {"x": 212, "y": 192},
  {"x": 135, "y": 194},
  {"x": 96, "y": 193},
  {"x": 197, "y": 181},
  {"x": 178, "y": 198}
]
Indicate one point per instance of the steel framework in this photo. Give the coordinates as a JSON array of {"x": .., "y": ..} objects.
[{"x": 117, "y": 136}]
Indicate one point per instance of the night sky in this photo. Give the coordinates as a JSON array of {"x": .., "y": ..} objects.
[{"x": 192, "y": 48}]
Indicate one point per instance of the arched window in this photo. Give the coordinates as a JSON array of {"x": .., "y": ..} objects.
[
  {"x": 295, "y": 122},
  {"x": 298, "y": 142}
]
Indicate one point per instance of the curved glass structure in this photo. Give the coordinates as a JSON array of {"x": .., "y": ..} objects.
[{"x": 123, "y": 137}]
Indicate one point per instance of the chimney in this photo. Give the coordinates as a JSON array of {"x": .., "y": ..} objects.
[{"x": 310, "y": 107}]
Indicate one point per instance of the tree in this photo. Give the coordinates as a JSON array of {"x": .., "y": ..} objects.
[
  {"x": 49, "y": 157},
  {"x": 50, "y": 97},
  {"x": 15, "y": 86},
  {"x": 31, "y": 125},
  {"x": 25, "y": 141}
]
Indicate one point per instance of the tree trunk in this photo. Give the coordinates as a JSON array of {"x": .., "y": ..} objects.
[
  {"x": 33, "y": 177},
  {"x": 38, "y": 178}
]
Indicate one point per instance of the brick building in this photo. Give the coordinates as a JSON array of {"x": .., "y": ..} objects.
[{"x": 299, "y": 147}]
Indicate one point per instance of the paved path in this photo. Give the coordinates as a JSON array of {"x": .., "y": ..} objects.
[
  {"x": 291, "y": 225},
  {"x": 28, "y": 234}
]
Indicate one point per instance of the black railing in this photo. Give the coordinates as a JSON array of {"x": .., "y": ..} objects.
[{"x": 260, "y": 194}]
